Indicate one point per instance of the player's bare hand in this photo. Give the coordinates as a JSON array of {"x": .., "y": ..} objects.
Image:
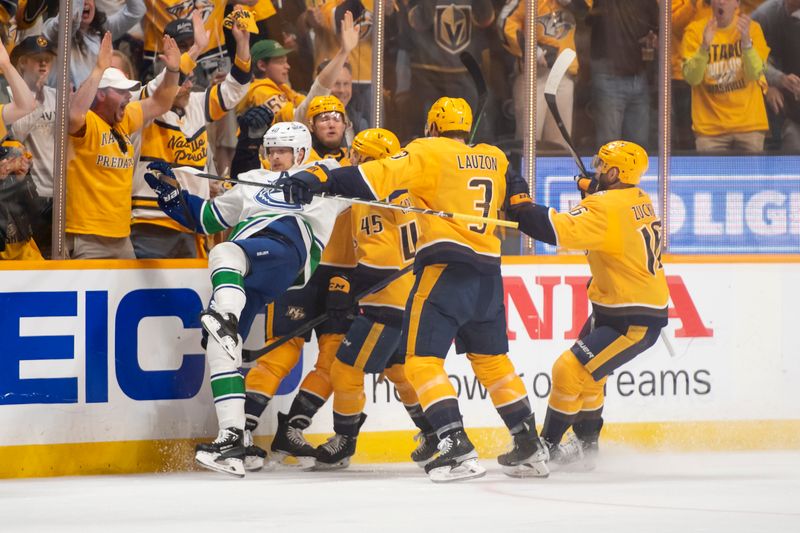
[
  {"x": 774, "y": 98},
  {"x": 709, "y": 32},
  {"x": 350, "y": 33}
]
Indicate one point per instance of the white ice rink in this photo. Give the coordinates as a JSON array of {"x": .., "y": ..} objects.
[{"x": 629, "y": 492}]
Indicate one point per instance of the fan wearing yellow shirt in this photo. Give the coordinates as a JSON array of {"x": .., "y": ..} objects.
[
  {"x": 100, "y": 169},
  {"x": 619, "y": 229},
  {"x": 458, "y": 292},
  {"x": 270, "y": 85},
  {"x": 724, "y": 56}
]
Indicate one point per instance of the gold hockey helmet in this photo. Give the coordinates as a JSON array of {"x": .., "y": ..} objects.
[
  {"x": 628, "y": 157},
  {"x": 449, "y": 114},
  {"x": 324, "y": 104},
  {"x": 375, "y": 143}
]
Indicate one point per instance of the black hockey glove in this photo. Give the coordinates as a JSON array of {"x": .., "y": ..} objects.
[
  {"x": 517, "y": 194},
  {"x": 255, "y": 122},
  {"x": 168, "y": 194},
  {"x": 300, "y": 187},
  {"x": 587, "y": 184},
  {"x": 339, "y": 303}
]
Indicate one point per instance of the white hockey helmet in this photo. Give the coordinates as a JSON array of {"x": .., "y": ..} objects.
[{"x": 294, "y": 135}]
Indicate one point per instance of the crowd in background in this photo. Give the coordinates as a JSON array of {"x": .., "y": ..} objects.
[{"x": 195, "y": 82}]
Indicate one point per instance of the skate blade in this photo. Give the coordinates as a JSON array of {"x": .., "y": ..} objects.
[
  {"x": 326, "y": 467},
  {"x": 538, "y": 469},
  {"x": 290, "y": 462},
  {"x": 422, "y": 464},
  {"x": 233, "y": 467},
  {"x": 469, "y": 469},
  {"x": 255, "y": 464},
  {"x": 212, "y": 325}
]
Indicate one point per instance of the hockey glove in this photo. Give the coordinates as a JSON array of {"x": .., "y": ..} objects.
[
  {"x": 517, "y": 194},
  {"x": 254, "y": 123},
  {"x": 339, "y": 302},
  {"x": 168, "y": 194},
  {"x": 300, "y": 187},
  {"x": 587, "y": 184}
]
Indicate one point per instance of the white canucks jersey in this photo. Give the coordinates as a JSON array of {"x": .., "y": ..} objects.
[{"x": 249, "y": 209}]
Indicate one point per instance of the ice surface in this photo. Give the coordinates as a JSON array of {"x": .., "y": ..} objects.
[{"x": 629, "y": 492}]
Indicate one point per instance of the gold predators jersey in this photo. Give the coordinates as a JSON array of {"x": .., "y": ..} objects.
[
  {"x": 340, "y": 250},
  {"x": 281, "y": 99},
  {"x": 386, "y": 242},
  {"x": 622, "y": 236},
  {"x": 446, "y": 175}
]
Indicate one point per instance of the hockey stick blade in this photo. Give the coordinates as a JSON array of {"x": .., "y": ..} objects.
[
  {"x": 557, "y": 73},
  {"x": 476, "y": 74}
]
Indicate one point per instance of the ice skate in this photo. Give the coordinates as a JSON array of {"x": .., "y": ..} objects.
[
  {"x": 426, "y": 448},
  {"x": 457, "y": 460},
  {"x": 574, "y": 455},
  {"x": 528, "y": 456},
  {"x": 290, "y": 442},
  {"x": 225, "y": 330},
  {"x": 335, "y": 454},
  {"x": 225, "y": 454},
  {"x": 254, "y": 456}
]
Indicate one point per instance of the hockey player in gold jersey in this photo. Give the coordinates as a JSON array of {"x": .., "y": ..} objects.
[
  {"x": 458, "y": 292},
  {"x": 385, "y": 243},
  {"x": 619, "y": 229}
]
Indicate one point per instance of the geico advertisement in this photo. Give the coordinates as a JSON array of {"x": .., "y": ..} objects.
[{"x": 95, "y": 355}]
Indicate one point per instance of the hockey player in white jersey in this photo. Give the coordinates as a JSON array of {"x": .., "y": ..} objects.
[{"x": 273, "y": 245}]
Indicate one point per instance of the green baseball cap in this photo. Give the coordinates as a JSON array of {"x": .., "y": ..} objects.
[{"x": 268, "y": 49}]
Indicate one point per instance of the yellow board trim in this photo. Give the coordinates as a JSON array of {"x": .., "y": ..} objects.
[{"x": 128, "y": 457}]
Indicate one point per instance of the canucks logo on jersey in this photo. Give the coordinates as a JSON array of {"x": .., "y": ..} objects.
[{"x": 273, "y": 198}]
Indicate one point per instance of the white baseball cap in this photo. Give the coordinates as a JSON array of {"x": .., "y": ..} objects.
[{"x": 116, "y": 79}]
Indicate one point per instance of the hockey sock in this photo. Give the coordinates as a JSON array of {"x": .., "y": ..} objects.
[
  {"x": 305, "y": 404},
  {"x": 318, "y": 382},
  {"x": 555, "y": 425},
  {"x": 348, "y": 398},
  {"x": 227, "y": 387},
  {"x": 254, "y": 405},
  {"x": 272, "y": 368},
  {"x": 569, "y": 380},
  {"x": 436, "y": 394},
  {"x": 497, "y": 374},
  {"x": 228, "y": 265},
  {"x": 397, "y": 375},
  {"x": 588, "y": 430}
]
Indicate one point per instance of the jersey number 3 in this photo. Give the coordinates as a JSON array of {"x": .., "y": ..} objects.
[{"x": 486, "y": 186}]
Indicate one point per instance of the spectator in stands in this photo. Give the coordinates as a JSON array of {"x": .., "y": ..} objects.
[
  {"x": 623, "y": 45},
  {"x": 555, "y": 30},
  {"x": 343, "y": 90},
  {"x": 180, "y": 138},
  {"x": 724, "y": 57},
  {"x": 683, "y": 13},
  {"x": 100, "y": 167},
  {"x": 780, "y": 21},
  {"x": 33, "y": 58},
  {"x": 326, "y": 122},
  {"x": 331, "y": 14},
  {"x": 89, "y": 25},
  {"x": 432, "y": 36},
  {"x": 271, "y": 72},
  {"x": 159, "y": 13},
  {"x": 18, "y": 204}
]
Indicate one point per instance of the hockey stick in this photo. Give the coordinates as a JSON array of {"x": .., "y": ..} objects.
[
  {"x": 373, "y": 203},
  {"x": 557, "y": 73},
  {"x": 299, "y": 331},
  {"x": 475, "y": 73}
]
